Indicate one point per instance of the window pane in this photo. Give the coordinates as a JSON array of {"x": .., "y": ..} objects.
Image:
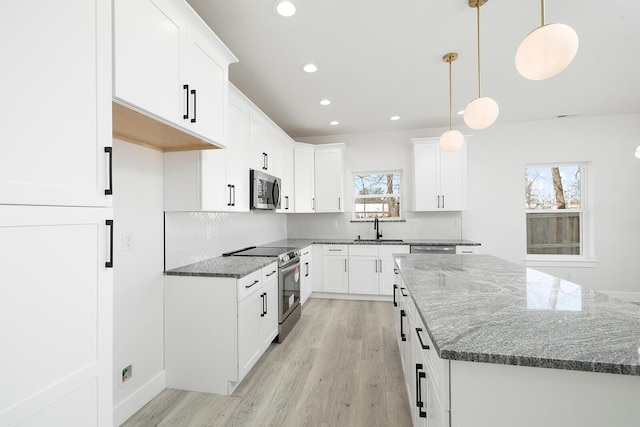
[
  {"x": 376, "y": 184},
  {"x": 553, "y": 187},
  {"x": 556, "y": 233},
  {"x": 377, "y": 207}
]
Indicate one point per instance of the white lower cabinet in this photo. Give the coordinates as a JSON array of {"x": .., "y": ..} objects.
[
  {"x": 335, "y": 268},
  {"x": 217, "y": 328},
  {"x": 56, "y": 323},
  {"x": 306, "y": 278},
  {"x": 371, "y": 268}
]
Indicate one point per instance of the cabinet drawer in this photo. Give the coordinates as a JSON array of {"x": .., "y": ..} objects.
[
  {"x": 467, "y": 249},
  {"x": 388, "y": 250},
  {"x": 270, "y": 272},
  {"x": 363, "y": 250},
  {"x": 335, "y": 249},
  {"x": 249, "y": 284},
  {"x": 439, "y": 368}
]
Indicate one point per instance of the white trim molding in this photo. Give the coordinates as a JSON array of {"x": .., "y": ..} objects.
[{"x": 130, "y": 405}]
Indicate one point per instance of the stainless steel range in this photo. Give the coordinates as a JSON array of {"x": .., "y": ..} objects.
[{"x": 289, "y": 308}]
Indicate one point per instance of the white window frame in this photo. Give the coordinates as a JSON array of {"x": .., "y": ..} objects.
[
  {"x": 355, "y": 198},
  {"x": 587, "y": 256}
]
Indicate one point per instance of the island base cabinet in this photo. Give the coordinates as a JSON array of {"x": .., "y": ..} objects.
[{"x": 486, "y": 394}]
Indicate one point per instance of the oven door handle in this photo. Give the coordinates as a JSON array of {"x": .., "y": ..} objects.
[{"x": 291, "y": 266}]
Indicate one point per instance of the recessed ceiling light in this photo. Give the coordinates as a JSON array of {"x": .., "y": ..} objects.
[
  {"x": 310, "y": 68},
  {"x": 394, "y": 118},
  {"x": 334, "y": 123},
  {"x": 285, "y": 8},
  {"x": 325, "y": 102}
]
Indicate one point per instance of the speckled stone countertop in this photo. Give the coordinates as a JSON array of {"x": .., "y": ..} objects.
[
  {"x": 483, "y": 309},
  {"x": 233, "y": 266},
  {"x": 300, "y": 243}
]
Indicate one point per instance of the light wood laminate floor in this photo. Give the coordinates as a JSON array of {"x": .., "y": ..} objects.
[{"x": 340, "y": 366}]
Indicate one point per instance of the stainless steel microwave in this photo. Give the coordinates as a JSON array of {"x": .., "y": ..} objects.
[{"x": 264, "y": 190}]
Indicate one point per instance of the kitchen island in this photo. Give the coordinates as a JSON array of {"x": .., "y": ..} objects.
[{"x": 486, "y": 342}]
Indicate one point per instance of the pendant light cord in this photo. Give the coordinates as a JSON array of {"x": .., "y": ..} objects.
[
  {"x": 542, "y": 12},
  {"x": 478, "y": 19},
  {"x": 450, "y": 97}
]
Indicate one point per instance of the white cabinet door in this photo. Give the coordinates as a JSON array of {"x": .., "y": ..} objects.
[
  {"x": 363, "y": 275},
  {"x": 284, "y": 171},
  {"x": 306, "y": 278},
  {"x": 261, "y": 152},
  {"x": 207, "y": 76},
  {"x": 56, "y": 304},
  {"x": 335, "y": 274},
  {"x": 329, "y": 182},
  {"x": 55, "y": 103},
  {"x": 386, "y": 273},
  {"x": 249, "y": 342},
  {"x": 237, "y": 161},
  {"x": 151, "y": 81},
  {"x": 304, "y": 178},
  {"x": 269, "y": 318},
  {"x": 440, "y": 177}
]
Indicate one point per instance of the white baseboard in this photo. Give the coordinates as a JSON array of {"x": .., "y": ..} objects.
[
  {"x": 626, "y": 296},
  {"x": 129, "y": 406},
  {"x": 358, "y": 297}
]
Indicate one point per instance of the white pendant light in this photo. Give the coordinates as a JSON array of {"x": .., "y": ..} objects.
[
  {"x": 638, "y": 152},
  {"x": 452, "y": 139},
  {"x": 547, "y": 50},
  {"x": 483, "y": 111}
]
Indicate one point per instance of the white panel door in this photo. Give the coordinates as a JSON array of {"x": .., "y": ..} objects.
[
  {"x": 55, "y": 103},
  {"x": 453, "y": 179},
  {"x": 238, "y": 155},
  {"x": 304, "y": 179},
  {"x": 427, "y": 176},
  {"x": 269, "y": 318},
  {"x": 249, "y": 346},
  {"x": 56, "y": 304},
  {"x": 208, "y": 93},
  {"x": 363, "y": 275},
  {"x": 329, "y": 190},
  {"x": 147, "y": 57},
  {"x": 335, "y": 274}
]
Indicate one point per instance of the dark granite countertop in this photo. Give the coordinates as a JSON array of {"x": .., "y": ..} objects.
[
  {"x": 222, "y": 266},
  {"x": 483, "y": 309}
]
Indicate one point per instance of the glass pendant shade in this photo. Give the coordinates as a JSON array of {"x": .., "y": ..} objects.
[
  {"x": 546, "y": 51},
  {"x": 451, "y": 140},
  {"x": 638, "y": 152},
  {"x": 481, "y": 113}
]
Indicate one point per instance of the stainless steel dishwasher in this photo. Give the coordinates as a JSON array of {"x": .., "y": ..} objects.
[{"x": 433, "y": 249}]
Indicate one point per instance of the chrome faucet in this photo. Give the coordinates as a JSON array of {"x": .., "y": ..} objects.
[{"x": 376, "y": 226}]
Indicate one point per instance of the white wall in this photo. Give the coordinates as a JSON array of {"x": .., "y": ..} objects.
[
  {"x": 496, "y": 161},
  {"x": 137, "y": 276}
]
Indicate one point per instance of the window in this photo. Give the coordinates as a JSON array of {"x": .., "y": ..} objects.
[
  {"x": 555, "y": 209},
  {"x": 376, "y": 195}
]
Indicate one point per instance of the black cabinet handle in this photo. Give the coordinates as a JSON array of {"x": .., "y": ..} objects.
[
  {"x": 266, "y": 303},
  {"x": 109, "y": 151},
  {"x": 403, "y": 314},
  {"x": 186, "y": 98},
  {"x": 286, "y": 202},
  {"x": 263, "y": 302},
  {"x": 438, "y": 201},
  {"x": 109, "y": 264},
  {"x": 264, "y": 161},
  {"x": 339, "y": 203},
  {"x": 424, "y": 346},
  {"x": 271, "y": 274},
  {"x": 266, "y": 156},
  {"x": 248, "y": 286},
  {"x": 402, "y": 292},
  {"x": 234, "y": 194},
  {"x": 230, "y": 187},
  {"x": 195, "y": 103},
  {"x": 395, "y": 303},
  {"x": 306, "y": 264},
  {"x": 443, "y": 201},
  {"x": 419, "y": 403}
]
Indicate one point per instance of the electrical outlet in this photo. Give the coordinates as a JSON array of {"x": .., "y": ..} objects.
[
  {"x": 126, "y": 374},
  {"x": 127, "y": 242}
]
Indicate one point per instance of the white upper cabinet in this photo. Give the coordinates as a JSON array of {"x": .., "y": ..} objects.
[
  {"x": 262, "y": 143},
  {"x": 440, "y": 176},
  {"x": 55, "y": 103},
  {"x": 329, "y": 174},
  {"x": 284, "y": 171},
  {"x": 182, "y": 77},
  {"x": 304, "y": 168},
  {"x": 237, "y": 152}
]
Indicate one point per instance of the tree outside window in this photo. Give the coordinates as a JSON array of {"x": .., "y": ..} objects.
[
  {"x": 553, "y": 195},
  {"x": 377, "y": 195}
]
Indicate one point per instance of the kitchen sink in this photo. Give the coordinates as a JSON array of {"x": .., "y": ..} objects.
[{"x": 378, "y": 240}]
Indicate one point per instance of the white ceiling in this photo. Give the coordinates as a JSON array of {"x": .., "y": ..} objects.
[{"x": 379, "y": 58}]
